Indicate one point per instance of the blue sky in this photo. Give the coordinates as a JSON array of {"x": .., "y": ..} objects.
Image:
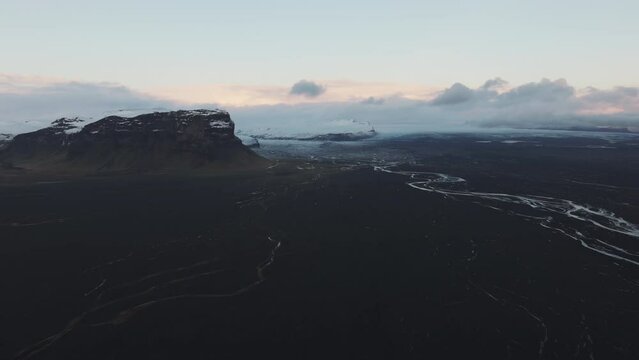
[
  {"x": 147, "y": 44},
  {"x": 251, "y": 53}
]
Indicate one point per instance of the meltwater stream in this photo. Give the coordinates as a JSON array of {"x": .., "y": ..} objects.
[{"x": 591, "y": 227}]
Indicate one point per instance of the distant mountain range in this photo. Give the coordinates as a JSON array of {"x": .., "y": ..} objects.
[
  {"x": 182, "y": 139},
  {"x": 346, "y": 136},
  {"x": 606, "y": 129}
]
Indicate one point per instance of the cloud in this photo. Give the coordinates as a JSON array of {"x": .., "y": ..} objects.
[
  {"x": 251, "y": 95},
  {"x": 543, "y": 104},
  {"x": 544, "y": 91},
  {"x": 494, "y": 84},
  {"x": 456, "y": 94},
  {"x": 28, "y": 106},
  {"x": 459, "y": 93},
  {"x": 307, "y": 88},
  {"x": 371, "y": 100},
  {"x": 612, "y": 100}
]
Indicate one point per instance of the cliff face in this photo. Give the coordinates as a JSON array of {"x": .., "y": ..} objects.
[{"x": 177, "y": 139}]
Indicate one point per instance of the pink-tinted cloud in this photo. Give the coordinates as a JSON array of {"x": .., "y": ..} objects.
[{"x": 27, "y": 103}]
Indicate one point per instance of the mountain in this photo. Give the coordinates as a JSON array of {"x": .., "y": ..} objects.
[
  {"x": 347, "y": 136},
  {"x": 603, "y": 129},
  {"x": 338, "y": 133},
  {"x": 192, "y": 139}
]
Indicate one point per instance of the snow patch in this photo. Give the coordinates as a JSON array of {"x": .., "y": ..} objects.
[
  {"x": 68, "y": 126},
  {"x": 220, "y": 124}
]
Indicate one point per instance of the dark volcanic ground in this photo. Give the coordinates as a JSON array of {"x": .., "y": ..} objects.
[{"x": 331, "y": 254}]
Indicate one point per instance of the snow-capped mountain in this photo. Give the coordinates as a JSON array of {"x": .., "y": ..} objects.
[{"x": 175, "y": 139}]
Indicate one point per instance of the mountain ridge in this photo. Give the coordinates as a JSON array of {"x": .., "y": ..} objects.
[{"x": 180, "y": 140}]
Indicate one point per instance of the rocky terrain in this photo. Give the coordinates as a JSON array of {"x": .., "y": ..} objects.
[
  {"x": 192, "y": 139},
  {"x": 438, "y": 246}
]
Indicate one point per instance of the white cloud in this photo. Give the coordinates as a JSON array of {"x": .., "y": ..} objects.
[
  {"x": 30, "y": 105},
  {"x": 543, "y": 104},
  {"x": 494, "y": 84},
  {"x": 456, "y": 94},
  {"x": 27, "y": 104}
]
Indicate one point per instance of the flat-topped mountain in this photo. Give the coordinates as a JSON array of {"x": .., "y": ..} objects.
[{"x": 161, "y": 140}]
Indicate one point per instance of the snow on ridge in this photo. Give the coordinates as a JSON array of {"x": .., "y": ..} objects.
[
  {"x": 72, "y": 125},
  {"x": 93, "y": 115},
  {"x": 202, "y": 112},
  {"x": 68, "y": 125},
  {"x": 6, "y": 137},
  {"x": 185, "y": 115},
  {"x": 220, "y": 124}
]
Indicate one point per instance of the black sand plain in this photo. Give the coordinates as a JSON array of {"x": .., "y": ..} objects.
[{"x": 331, "y": 254}]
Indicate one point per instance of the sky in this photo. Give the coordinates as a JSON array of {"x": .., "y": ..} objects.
[{"x": 294, "y": 54}]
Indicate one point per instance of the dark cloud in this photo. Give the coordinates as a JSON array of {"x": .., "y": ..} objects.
[
  {"x": 456, "y": 94},
  {"x": 493, "y": 84},
  {"x": 373, "y": 101},
  {"x": 307, "y": 88},
  {"x": 543, "y": 91}
]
